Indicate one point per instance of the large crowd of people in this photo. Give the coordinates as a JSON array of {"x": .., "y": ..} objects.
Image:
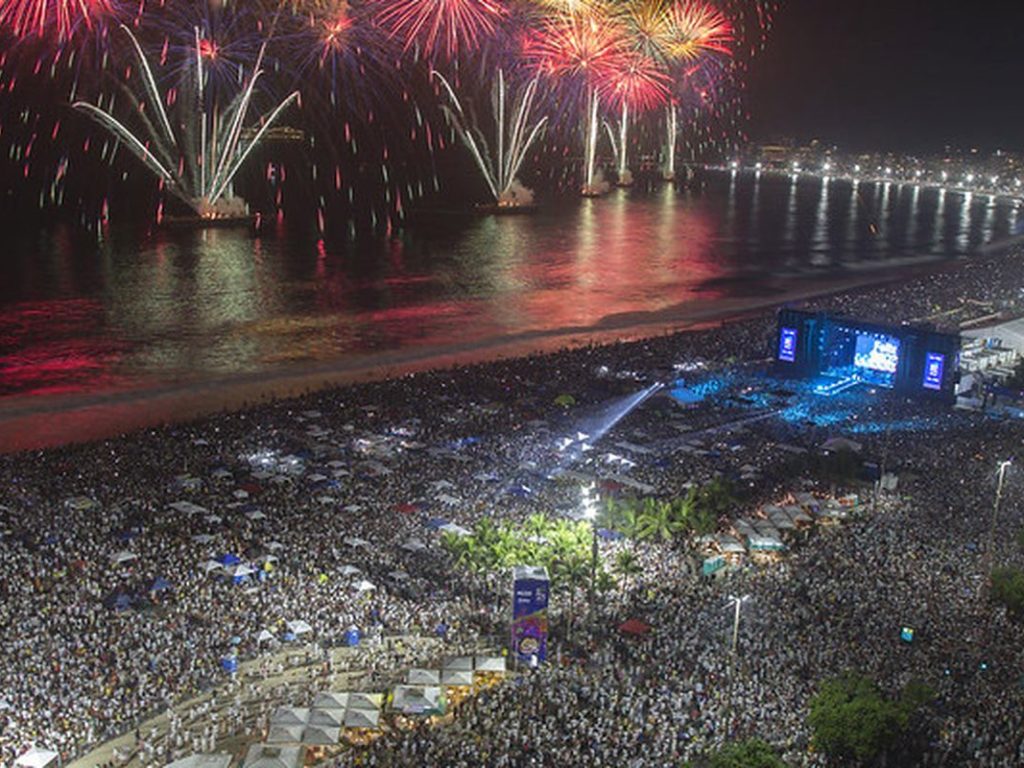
[{"x": 118, "y": 601}]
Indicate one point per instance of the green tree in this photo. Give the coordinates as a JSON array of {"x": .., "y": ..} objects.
[
  {"x": 852, "y": 721},
  {"x": 1020, "y": 538},
  {"x": 626, "y": 564},
  {"x": 749, "y": 753},
  {"x": 658, "y": 520},
  {"x": 1008, "y": 589}
]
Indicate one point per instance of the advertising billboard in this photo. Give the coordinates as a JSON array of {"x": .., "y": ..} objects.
[
  {"x": 787, "y": 344},
  {"x": 529, "y": 636}
]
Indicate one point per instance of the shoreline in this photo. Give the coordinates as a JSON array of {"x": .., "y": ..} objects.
[{"x": 33, "y": 423}]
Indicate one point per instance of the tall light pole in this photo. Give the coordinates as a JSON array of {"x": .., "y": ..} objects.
[
  {"x": 995, "y": 512},
  {"x": 736, "y": 602}
]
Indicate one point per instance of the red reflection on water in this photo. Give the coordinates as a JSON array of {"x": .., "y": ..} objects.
[{"x": 55, "y": 347}]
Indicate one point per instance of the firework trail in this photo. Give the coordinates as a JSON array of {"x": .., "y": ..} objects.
[
  {"x": 515, "y": 132},
  {"x": 199, "y": 172}
]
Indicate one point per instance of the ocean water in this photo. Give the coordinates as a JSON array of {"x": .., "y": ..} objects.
[{"x": 182, "y": 308}]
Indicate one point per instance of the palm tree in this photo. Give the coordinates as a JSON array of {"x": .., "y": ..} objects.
[
  {"x": 626, "y": 564},
  {"x": 658, "y": 520},
  {"x": 536, "y": 526},
  {"x": 572, "y": 572}
]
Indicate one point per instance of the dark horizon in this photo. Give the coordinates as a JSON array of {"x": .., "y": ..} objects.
[{"x": 902, "y": 76}]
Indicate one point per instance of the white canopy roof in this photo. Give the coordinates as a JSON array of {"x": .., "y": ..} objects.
[
  {"x": 365, "y": 586},
  {"x": 270, "y": 756},
  {"x": 331, "y": 700},
  {"x": 458, "y": 530},
  {"x": 355, "y": 541},
  {"x": 299, "y": 627},
  {"x": 416, "y": 699},
  {"x": 188, "y": 508},
  {"x": 210, "y": 565},
  {"x": 413, "y": 545},
  {"x": 264, "y": 636},
  {"x": 290, "y": 716},
  {"x": 490, "y": 663},
  {"x": 321, "y": 734},
  {"x": 331, "y": 718},
  {"x": 398, "y": 575},
  {"x": 457, "y": 678},
  {"x": 423, "y": 677},
  {"x": 285, "y": 734},
  {"x": 348, "y": 570},
  {"x": 217, "y": 760},
  {"x": 362, "y": 718},
  {"x": 123, "y": 556},
  {"x": 359, "y": 700},
  {"x": 461, "y": 663},
  {"x": 36, "y": 757}
]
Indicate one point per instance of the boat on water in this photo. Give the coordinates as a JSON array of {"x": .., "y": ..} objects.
[{"x": 226, "y": 212}]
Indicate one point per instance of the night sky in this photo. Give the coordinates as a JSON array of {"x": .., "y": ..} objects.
[{"x": 909, "y": 75}]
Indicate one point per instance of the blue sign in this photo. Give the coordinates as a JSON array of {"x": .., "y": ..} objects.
[
  {"x": 787, "y": 345},
  {"x": 934, "y": 364},
  {"x": 530, "y": 588}
]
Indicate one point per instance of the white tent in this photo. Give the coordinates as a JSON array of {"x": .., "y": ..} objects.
[
  {"x": 299, "y": 627},
  {"x": 36, "y": 758},
  {"x": 417, "y": 699},
  {"x": 270, "y": 756},
  {"x": 123, "y": 556},
  {"x": 423, "y": 677},
  {"x": 448, "y": 500},
  {"x": 188, "y": 508},
  {"x": 331, "y": 718},
  {"x": 264, "y": 636},
  {"x": 457, "y": 678},
  {"x": 203, "y": 538},
  {"x": 256, "y": 515},
  {"x": 274, "y": 545},
  {"x": 285, "y": 734},
  {"x": 413, "y": 545},
  {"x": 319, "y": 734},
  {"x": 354, "y": 541},
  {"x": 460, "y": 663},
  {"x": 348, "y": 570},
  {"x": 242, "y": 569},
  {"x": 212, "y": 519},
  {"x": 331, "y": 700},
  {"x": 210, "y": 565},
  {"x": 240, "y": 494},
  {"x": 362, "y": 718},
  {"x": 490, "y": 664},
  {"x": 365, "y": 700},
  {"x": 398, "y": 576},
  {"x": 458, "y": 530},
  {"x": 218, "y": 760},
  {"x": 290, "y": 716},
  {"x": 364, "y": 586}
]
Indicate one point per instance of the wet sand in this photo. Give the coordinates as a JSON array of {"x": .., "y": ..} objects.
[{"x": 30, "y": 423}]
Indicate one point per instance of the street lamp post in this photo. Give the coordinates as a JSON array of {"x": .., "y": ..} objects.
[
  {"x": 995, "y": 512},
  {"x": 736, "y": 603}
]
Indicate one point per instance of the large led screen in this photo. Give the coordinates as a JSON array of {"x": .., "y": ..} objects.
[{"x": 877, "y": 352}]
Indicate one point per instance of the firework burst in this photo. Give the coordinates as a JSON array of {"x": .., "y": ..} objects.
[
  {"x": 442, "y": 28},
  {"x": 696, "y": 28},
  {"x": 27, "y": 18}
]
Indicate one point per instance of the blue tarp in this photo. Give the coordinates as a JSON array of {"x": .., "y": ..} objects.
[
  {"x": 436, "y": 522},
  {"x": 229, "y": 664},
  {"x": 352, "y": 636},
  {"x": 229, "y": 559},
  {"x": 159, "y": 584},
  {"x": 609, "y": 535}
]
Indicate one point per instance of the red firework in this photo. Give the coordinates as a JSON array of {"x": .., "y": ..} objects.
[
  {"x": 25, "y": 18},
  {"x": 639, "y": 84},
  {"x": 442, "y": 27},
  {"x": 575, "y": 45},
  {"x": 699, "y": 28}
]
